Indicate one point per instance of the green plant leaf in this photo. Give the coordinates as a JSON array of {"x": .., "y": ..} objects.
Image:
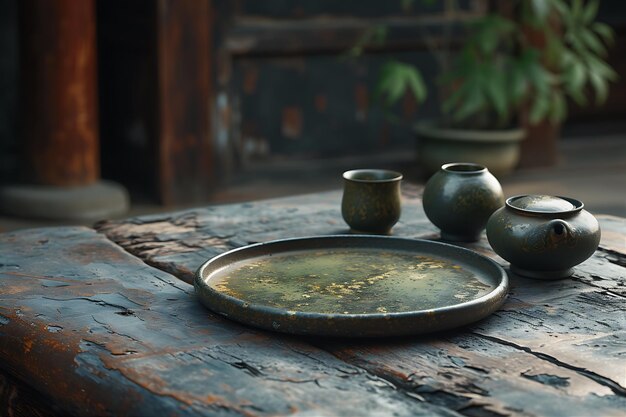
[
  {"x": 562, "y": 8},
  {"x": 395, "y": 79},
  {"x": 518, "y": 86},
  {"x": 539, "y": 109},
  {"x": 388, "y": 83},
  {"x": 575, "y": 77},
  {"x": 541, "y": 8},
  {"x": 416, "y": 84},
  {"x": 592, "y": 42},
  {"x": 568, "y": 58},
  {"x": 539, "y": 77},
  {"x": 602, "y": 68},
  {"x": 558, "y": 110},
  {"x": 453, "y": 100},
  {"x": 600, "y": 86},
  {"x": 495, "y": 90},
  {"x": 577, "y": 10},
  {"x": 590, "y": 12},
  {"x": 379, "y": 35},
  {"x": 394, "y": 90},
  {"x": 489, "y": 32},
  {"x": 553, "y": 52},
  {"x": 578, "y": 96},
  {"x": 469, "y": 106},
  {"x": 604, "y": 31},
  {"x": 497, "y": 70},
  {"x": 375, "y": 35},
  {"x": 578, "y": 75},
  {"x": 579, "y": 46}
]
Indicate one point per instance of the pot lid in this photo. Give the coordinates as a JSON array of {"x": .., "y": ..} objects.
[{"x": 542, "y": 203}]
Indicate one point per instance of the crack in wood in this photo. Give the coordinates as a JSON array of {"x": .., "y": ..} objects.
[
  {"x": 607, "y": 382},
  {"x": 538, "y": 321},
  {"x": 343, "y": 371},
  {"x": 437, "y": 397},
  {"x": 614, "y": 256},
  {"x": 591, "y": 284},
  {"x": 475, "y": 410},
  {"x": 185, "y": 290},
  {"x": 125, "y": 310},
  {"x": 547, "y": 379}
]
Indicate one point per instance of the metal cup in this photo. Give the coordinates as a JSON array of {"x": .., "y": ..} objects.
[{"x": 371, "y": 200}]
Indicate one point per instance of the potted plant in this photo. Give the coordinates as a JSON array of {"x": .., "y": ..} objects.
[{"x": 527, "y": 61}]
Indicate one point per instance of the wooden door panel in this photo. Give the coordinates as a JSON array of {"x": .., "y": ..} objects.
[{"x": 321, "y": 105}]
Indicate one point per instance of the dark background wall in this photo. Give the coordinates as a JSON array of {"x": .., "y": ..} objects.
[{"x": 280, "y": 85}]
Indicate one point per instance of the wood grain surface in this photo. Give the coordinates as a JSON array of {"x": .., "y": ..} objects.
[{"x": 112, "y": 313}]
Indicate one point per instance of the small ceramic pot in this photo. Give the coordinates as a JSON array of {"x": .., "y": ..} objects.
[
  {"x": 543, "y": 236},
  {"x": 371, "y": 200},
  {"x": 459, "y": 199}
]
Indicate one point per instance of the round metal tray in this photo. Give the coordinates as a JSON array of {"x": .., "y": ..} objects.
[{"x": 352, "y": 286}]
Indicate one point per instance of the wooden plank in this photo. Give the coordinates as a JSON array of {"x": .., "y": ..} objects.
[
  {"x": 259, "y": 36},
  {"x": 59, "y": 98},
  {"x": 560, "y": 343},
  {"x": 101, "y": 333},
  {"x": 185, "y": 77},
  {"x": 180, "y": 242},
  {"x": 479, "y": 376}
]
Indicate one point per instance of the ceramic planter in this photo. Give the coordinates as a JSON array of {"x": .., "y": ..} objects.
[
  {"x": 459, "y": 199},
  {"x": 498, "y": 150},
  {"x": 543, "y": 236}
]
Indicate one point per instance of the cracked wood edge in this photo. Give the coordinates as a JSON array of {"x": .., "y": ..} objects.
[
  {"x": 98, "y": 331},
  {"x": 550, "y": 324}
]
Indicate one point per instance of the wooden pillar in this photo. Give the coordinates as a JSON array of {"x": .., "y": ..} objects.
[
  {"x": 59, "y": 117},
  {"x": 185, "y": 79},
  {"x": 58, "y": 92}
]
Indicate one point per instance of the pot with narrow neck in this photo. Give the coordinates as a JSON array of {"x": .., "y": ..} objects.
[
  {"x": 543, "y": 236},
  {"x": 459, "y": 199}
]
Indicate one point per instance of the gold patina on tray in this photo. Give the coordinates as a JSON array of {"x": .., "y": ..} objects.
[{"x": 352, "y": 286}]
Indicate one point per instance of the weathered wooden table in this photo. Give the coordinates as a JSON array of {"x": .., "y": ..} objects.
[{"x": 103, "y": 321}]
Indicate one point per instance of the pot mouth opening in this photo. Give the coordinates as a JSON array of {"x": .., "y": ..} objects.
[
  {"x": 464, "y": 168},
  {"x": 520, "y": 204},
  {"x": 372, "y": 175}
]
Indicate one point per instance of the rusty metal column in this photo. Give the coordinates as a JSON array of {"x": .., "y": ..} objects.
[{"x": 59, "y": 115}]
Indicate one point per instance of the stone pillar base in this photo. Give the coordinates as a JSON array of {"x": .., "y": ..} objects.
[{"x": 97, "y": 201}]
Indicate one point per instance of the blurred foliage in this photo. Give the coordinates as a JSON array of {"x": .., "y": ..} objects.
[{"x": 501, "y": 68}]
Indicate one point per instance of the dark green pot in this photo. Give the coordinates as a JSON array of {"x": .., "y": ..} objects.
[
  {"x": 542, "y": 236},
  {"x": 371, "y": 200},
  {"x": 459, "y": 199},
  {"x": 498, "y": 150}
]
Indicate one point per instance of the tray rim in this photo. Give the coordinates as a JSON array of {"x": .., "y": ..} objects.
[{"x": 493, "y": 299}]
